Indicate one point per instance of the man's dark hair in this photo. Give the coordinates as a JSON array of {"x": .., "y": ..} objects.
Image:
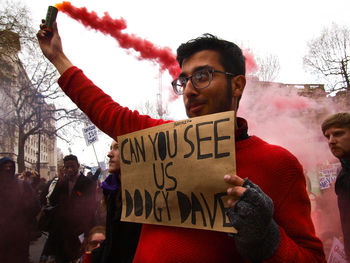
[
  {"x": 231, "y": 56},
  {"x": 338, "y": 120},
  {"x": 70, "y": 157}
]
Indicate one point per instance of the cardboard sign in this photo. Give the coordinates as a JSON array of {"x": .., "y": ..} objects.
[
  {"x": 173, "y": 174},
  {"x": 90, "y": 134},
  {"x": 337, "y": 254}
]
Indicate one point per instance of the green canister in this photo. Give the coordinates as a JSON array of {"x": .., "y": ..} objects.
[{"x": 50, "y": 17}]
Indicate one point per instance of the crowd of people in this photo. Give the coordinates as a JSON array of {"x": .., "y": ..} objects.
[
  {"x": 68, "y": 211},
  {"x": 268, "y": 203}
]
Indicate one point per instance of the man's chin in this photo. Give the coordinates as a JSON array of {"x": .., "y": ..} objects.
[
  {"x": 113, "y": 170},
  {"x": 193, "y": 114},
  {"x": 338, "y": 153}
]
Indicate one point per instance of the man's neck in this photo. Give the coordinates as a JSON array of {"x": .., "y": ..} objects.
[{"x": 74, "y": 178}]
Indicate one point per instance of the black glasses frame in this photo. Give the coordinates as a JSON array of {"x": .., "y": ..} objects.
[{"x": 183, "y": 84}]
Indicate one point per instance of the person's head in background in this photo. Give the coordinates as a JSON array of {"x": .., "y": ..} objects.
[
  {"x": 114, "y": 158},
  {"x": 96, "y": 236},
  {"x": 7, "y": 169},
  {"x": 336, "y": 128},
  {"x": 71, "y": 166}
]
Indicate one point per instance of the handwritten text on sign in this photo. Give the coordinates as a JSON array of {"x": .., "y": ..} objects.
[
  {"x": 90, "y": 134},
  {"x": 173, "y": 174}
]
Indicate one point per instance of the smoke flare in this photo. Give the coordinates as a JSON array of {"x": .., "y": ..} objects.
[
  {"x": 147, "y": 50},
  {"x": 113, "y": 27}
]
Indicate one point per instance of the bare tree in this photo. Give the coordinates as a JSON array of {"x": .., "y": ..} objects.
[
  {"x": 328, "y": 57},
  {"x": 268, "y": 67},
  {"x": 30, "y": 97}
]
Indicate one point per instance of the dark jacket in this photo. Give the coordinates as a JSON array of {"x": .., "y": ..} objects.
[
  {"x": 18, "y": 208},
  {"x": 121, "y": 237},
  {"x": 73, "y": 215},
  {"x": 342, "y": 189}
]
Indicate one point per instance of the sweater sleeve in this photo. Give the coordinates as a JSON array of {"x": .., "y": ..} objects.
[
  {"x": 298, "y": 242},
  {"x": 110, "y": 117}
]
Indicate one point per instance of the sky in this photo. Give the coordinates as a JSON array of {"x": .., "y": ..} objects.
[{"x": 279, "y": 28}]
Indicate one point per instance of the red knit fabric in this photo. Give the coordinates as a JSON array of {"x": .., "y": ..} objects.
[
  {"x": 274, "y": 169},
  {"x": 87, "y": 257}
]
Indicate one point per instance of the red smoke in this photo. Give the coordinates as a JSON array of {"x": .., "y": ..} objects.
[
  {"x": 147, "y": 50},
  {"x": 113, "y": 27},
  {"x": 250, "y": 63}
]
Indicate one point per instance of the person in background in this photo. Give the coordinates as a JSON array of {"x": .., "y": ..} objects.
[
  {"x": 18, "y": 208},
  {"x": 267, "y": 199},
  {"x": 336, "y": 128},
  {"x": 72, "y": 199},
  {"x": 121, "y": 237},
  {"x": 96, "y": 236}
]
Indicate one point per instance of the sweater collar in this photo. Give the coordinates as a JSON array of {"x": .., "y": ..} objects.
[{"x": 242, "y": 129}]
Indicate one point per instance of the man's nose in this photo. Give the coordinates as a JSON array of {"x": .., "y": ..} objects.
[
  {"x": 190, "y": 89},
  {"x": 331, "y": 139}
]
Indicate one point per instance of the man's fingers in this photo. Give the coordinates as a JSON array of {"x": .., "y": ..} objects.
[
  {"x": 236, "y": 190},
  {"x": 54, "y": 27},
  {"x": 41, "y": 34},
  {"x": 234, "y": 194},
  {"x": 43, "y": 25},
  {"x": 233, "y": 180}
]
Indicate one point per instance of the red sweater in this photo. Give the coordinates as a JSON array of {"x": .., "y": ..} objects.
[{"x": 274, "y": 169}]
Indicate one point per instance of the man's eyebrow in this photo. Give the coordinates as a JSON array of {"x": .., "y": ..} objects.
[
  {"x": 339, "y": 132},
  {"x": 183, "y": 74}
]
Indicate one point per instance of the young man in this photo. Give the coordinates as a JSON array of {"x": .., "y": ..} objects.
[
  {"x": 336, "y": 128},
  {"x": 121, "y": 237},
  {"x": 273, "y": 220},
  {"x": 73, "y": 199}
]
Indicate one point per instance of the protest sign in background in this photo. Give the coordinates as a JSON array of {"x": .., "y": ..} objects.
[
  {"x": 173, "y": 174},
  {"x": 90, "y": 134}
]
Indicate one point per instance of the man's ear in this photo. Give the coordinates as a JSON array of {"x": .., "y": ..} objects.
[{"x": 238, "y": 85}]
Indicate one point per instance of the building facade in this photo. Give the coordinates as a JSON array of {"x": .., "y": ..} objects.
[{"x": 23, "y": 115}]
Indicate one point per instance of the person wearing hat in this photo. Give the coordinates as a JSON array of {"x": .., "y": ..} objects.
[{"x": 18, "y": 208}]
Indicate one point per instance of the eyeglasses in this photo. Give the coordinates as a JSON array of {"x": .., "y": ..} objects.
[
  {"x": 95, "y": 243},
  {"x": 200, "y": 79}
]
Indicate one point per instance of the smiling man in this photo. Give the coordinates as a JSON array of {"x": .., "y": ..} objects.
[
  {"x": 336, "y": 128},
  {"x": 71, "y": 197},
  {"x": 269, "y": 208}
]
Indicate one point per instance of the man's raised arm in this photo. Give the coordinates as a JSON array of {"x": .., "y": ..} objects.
[{"x": 51, "y": 46}]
